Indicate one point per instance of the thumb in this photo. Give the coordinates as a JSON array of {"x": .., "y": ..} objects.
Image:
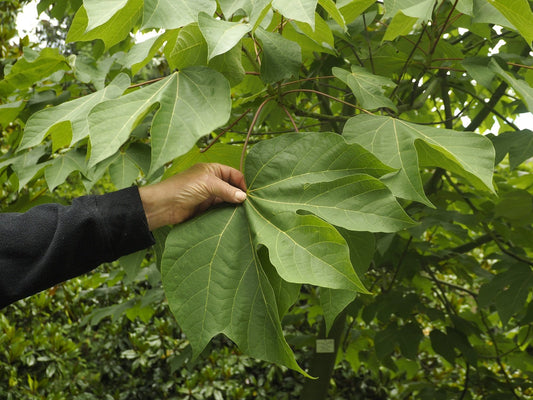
[{"x": 227, "y": 192}]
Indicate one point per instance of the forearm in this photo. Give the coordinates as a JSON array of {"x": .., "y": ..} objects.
[{"x": 52, "y": 243}]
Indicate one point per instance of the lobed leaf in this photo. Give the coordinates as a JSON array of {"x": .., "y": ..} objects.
[
  {"x": 74, "y": 112},
  {"x": 407, "y": 147},
  {"x": 63, "y": 166},
  {"x": 220, "y": 260},
  {"x": 220, "y": 35},
  {"x": 191, "y": 102},
  {"x": 218, "y": 285},
  {"x": 366, "y": 86}
]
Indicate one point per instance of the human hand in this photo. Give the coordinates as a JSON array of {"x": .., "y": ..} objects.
[{"x": 190, "y": 192}]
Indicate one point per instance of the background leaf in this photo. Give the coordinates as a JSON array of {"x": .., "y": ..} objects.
[
  {"x": 519, "y": 13},
  {"x": 281, "y": 57},
  {"x": 220, "y": 35},
  {"x": 367, "y": 87},
  {"x": 393, "y": 141},
  {"x": 172, "y": 14},
  {"x": 300, "y": 10},
  {"x": 112, "y": 32},
  {"x": 193, "y": 102},
  {"x": 74, "y": 112}
]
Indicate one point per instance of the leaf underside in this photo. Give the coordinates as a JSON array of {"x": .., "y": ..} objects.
[{"x": 213, "y": 265}]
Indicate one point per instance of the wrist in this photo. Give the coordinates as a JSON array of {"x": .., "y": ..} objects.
[{"x": 154, "y": 214}]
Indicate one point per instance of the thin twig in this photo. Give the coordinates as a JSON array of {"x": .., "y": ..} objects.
[
  {"x": 290, "y": 117},
  {"x": 147, "y": 82},
  {"x": 320, "y": 117},
  {"x": 444, "y": 26},
  {"x": 329, "y": 96},
  {"x": 400, "y": 262},
  {"x": 498, "y": 355},
  {"x": 409, "y": 57},
  {"x": 369, "y": 46},
  {"x": 225, "y": 131},
  {"x": 275, "y": 132},
  {"x": 308, "y": 79},
  {"x": 520, "y": 65}
]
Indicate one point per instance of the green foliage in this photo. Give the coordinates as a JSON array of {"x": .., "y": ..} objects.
[{"x": 408, "y": 114}]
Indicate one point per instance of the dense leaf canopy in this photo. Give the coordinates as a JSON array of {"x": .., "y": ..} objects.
[{"x": 390, "y": 195}]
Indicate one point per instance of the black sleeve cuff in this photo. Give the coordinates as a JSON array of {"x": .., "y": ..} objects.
[{"x": 123, "y": 222}]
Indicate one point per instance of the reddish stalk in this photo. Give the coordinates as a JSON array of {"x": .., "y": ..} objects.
[
  {"x": 329, "y": 96},
  {"x": 225, "y": 131},
  {"x": 147, "y": 82},
  {"x": 520, "y": 65},
  {"x": 250, "y": 129},
  {"x": 443, "y": 29},
  {"x": 290, "y": 117},
  {"x": 308, "y": 79}
]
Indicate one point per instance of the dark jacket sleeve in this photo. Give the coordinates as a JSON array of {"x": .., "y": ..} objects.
[{"x": 52, "y": 243}]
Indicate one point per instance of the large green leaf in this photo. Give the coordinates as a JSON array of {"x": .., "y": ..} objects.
[
  {"x": 366, "y": 86},
  {"x": 408, "y": 146},
  {"x": 299, "y": 10},
  {"x": 321, "y": 251},
  {"x": 111, "y": 32},
  {"x": 282, "y": 58},
  {"x": 70, "y": 116},
  {"x": 212, "y": 263},
  {"x": 191, "y": 102},
  {"x": 171, "y": 14},
  {"x": 221, "y": 36},
  {"x": 215, "y": 283},
  {"x": 519, "y": 13}
]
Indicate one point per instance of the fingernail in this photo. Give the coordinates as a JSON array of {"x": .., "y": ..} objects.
[{"x": 240, "y": 196}]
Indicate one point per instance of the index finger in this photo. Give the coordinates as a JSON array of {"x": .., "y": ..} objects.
[{"x": 230, "y": 175}]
